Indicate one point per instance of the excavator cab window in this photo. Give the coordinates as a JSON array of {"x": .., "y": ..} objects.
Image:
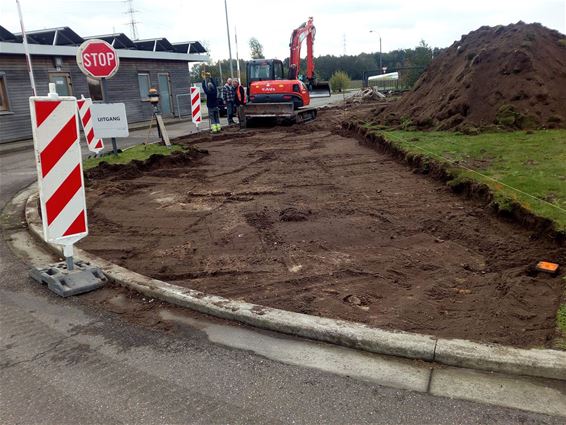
[
  {"x": 265, "y": 70},
  {"x": 277, "y": 70},
  {"x": 260, "y": 71}
]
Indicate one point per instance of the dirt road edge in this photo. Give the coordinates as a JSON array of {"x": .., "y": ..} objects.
[{"x": 462, "y": 353}]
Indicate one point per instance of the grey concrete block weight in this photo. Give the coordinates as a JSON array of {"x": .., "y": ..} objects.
[{"x": 83, "y": 278}]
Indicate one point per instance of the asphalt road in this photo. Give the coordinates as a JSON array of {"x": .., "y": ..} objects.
[{"x": 75, "y": 361}]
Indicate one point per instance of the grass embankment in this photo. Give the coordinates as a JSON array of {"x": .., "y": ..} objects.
[
  {"x": 525, "y": 168},
  {"x": 138, "y": 152}
]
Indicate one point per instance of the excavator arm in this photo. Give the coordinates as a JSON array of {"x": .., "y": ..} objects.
[{"x": 306, "y": 31}]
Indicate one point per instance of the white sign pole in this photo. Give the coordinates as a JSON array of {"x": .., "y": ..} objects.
[
  {"x": 237, "y": 56},
  {"x": 26, "y": 49}
]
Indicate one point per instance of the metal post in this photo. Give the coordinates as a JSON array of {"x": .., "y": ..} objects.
[
  {"x": 237, "y": 55},
  {"x": 380, "y": 52},
  {"x": 380, "y": 55},
  {"x": 155, "y": 113},
  {"x": 220, "y": 70},
  {"x": 104, "y": 87},
  {"x": 229, "y": 44},
  {"x": 68, "y": 254}
]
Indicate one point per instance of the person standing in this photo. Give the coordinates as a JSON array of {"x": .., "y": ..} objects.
[
  {"x": 229, "y": 94},
  {"x": 212, "y": 104},
  {"x": 240, "y": 98}
]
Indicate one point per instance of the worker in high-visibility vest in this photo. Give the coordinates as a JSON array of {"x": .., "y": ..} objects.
[{"x": 212, "y": 104}]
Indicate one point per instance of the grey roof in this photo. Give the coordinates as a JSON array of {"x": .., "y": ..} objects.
[
  {"x": 189, "y": 47},
  {"x": 6, "y": 35},
  {"x": 154, "y": 45},
  {"x": 65, "y": 36},
  {"x": 118, "y": 40},
  {"x": 62, "y": 36}
]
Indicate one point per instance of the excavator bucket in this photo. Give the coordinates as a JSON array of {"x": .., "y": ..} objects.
[{"x": 320, "y": 89}]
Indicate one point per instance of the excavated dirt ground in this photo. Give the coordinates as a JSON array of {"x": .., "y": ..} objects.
[{"x": 303, "y": 219}]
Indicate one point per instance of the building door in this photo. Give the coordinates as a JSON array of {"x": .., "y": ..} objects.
[
  {"x": 164, "y": 93},
  {"x": 62, "y": 80}
]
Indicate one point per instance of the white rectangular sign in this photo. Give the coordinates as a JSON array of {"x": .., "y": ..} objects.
[{"x": 109, "y": 120}]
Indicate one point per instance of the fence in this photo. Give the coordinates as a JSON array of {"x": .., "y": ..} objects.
[
  {"x": 183, "y": 104},
  {"x": 407, "y": 76}
]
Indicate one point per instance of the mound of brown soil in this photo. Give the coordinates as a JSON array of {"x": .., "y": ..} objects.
[{"x": 512, "y": 76}]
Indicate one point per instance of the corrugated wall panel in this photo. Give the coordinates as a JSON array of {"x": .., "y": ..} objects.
[{"x": 123, "y": 87}]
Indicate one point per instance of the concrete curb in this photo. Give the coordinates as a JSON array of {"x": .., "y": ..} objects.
[{"x": 534, "y": 362}]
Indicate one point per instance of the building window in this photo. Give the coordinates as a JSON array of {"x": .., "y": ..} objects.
[
  {"x": 145, "y": 84},
  {"x": 62, "y": 82},
  {"x": 94, "y": 88},
  {"x": 4, "y": 104}
]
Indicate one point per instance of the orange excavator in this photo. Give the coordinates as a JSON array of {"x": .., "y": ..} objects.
[{"x": 272, "y": 93}]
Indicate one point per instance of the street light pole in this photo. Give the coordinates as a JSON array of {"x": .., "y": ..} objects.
[
  {"x": 237, "y": 55},
  {"x": 380, "y": 55},
  {"x": 380, "y": 52},
  {"x": 229, "y": 44}
]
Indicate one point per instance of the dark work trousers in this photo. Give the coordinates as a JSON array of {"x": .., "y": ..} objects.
[{"x": 231, "y": 109}]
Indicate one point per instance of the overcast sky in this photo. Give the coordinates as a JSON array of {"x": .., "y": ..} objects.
[{"x": 342, "y": 26}]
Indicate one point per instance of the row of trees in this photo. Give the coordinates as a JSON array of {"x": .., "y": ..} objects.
[{"x": 411, "y": 62}]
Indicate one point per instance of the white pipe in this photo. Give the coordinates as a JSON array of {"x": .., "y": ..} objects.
[
  {"x": 26, "y": 49},
  {"x": 237, "y": 56},
  {"x": 392, "y": 76}
]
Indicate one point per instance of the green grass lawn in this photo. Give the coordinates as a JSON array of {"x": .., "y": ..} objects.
[
  {"x": 355, "y": 84},
  {"x": 139, "y": 152},
  {"x": 526, "y": 168}
]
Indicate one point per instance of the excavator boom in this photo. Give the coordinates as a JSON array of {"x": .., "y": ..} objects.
[{"x": 306, "y": 31}]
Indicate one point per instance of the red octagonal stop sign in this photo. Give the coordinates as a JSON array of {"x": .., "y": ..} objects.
[{"x": 97, "y": 59}]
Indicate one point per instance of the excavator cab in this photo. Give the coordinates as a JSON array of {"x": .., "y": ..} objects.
[
  {"x": 267, "y": 83},
  {"x": 264, "y": 70}
]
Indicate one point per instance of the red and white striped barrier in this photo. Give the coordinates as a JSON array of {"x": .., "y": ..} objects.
[
  {"x": 94, "y": 144},
  {"x": 59, "y": 168},
  {"x": 195, "y": 105}
]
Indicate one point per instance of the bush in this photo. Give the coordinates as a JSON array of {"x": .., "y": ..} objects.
[{"x": 340, "y": 81}]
